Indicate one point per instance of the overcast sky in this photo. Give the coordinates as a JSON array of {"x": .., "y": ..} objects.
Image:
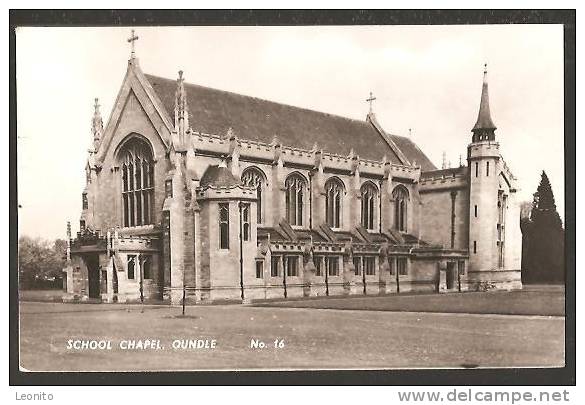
[{"x": 427, "y": 78}]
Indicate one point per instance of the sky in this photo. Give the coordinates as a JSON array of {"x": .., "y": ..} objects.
[{"x": 426, "y": 78}]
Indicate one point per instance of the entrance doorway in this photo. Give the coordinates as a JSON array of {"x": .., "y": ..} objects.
[
  {"x": 450, "y": 275},
  {"x": 93, "y": 276}
]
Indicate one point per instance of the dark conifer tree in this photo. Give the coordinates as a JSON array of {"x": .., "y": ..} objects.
[{"x": 543, "y": 239}]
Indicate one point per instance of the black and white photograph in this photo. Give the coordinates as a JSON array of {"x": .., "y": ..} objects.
[{"x": 290, "y": 197}]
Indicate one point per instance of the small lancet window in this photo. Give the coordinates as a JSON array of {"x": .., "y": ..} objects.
[
  {"x": 402, "y": 266},
  {"x": 246, "y": 222},
  {"x": 146, "y": 267},
  {"x": 131, "y": 266},
  {"x": 224, "y": 226}
]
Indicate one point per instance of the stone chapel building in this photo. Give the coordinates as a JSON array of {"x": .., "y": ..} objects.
[{"x": 201, "y": 194}]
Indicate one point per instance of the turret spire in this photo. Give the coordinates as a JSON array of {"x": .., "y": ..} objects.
[
  {"x": 484, "y": 128},
  {"x": 97, "y": 124}
]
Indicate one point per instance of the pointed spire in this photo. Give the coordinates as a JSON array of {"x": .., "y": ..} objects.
[
  {"x": 484, "y": 127},
  {"x": 97, "y": 125},
  {"x": 181, "y": 116},
  {"x": 181, "y": 107}
]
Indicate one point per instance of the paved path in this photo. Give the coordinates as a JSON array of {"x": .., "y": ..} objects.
[{"x": 312, "y": 338}]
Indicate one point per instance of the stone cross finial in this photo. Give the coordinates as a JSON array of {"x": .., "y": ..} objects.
[
  {"x": 370, "y": 100},
  {"x": 133, "y": 38}
]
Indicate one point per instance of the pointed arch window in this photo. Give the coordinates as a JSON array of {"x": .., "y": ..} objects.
[
  {"x": 333, "y": 202},
  {"x": 400, "y": 196},
  {"x": 253, "y": 177},
  {"x": 294, "y": 188},
  {"x": 84, "y": 201},
  {"x": 137, "y": 166},
  {"x": 369, "y": 194},
  {"x": 224, "y": 225}
]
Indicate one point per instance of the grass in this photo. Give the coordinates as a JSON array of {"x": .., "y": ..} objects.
[
  {"x": 534, "y": 300},
  {"x": 41, "y": 295}
]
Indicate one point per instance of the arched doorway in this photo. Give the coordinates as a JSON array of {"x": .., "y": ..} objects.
[{"x": 93, "y": 276}]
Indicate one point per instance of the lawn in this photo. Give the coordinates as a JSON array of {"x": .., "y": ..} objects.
[
  {"x": 41, "y": 295},
  {"x": 311, "y": 338},
  {"x": 533, "y": 300}
]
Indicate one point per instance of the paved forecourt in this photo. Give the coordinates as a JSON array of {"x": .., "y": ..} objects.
[{"x": 246, "y": 337}]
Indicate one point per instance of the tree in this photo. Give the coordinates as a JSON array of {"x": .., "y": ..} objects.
[
  {"x": 40, "y": 262},
  {"x": 543, "y": 259}
]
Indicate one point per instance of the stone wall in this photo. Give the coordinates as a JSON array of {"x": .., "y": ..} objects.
[{"x": 436, "y": 211}]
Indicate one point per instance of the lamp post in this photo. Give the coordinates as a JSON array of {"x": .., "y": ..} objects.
[
  {"x": 141, "y": 280},
  {"x": 241, "y": 254},
  {"x": 363, "y": 274},
  {"x": 397, "y": 277},
  {"x": 327, "y": 275}
]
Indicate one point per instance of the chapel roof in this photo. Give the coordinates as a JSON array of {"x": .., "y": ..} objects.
[
  {"x": 219, "y": 176},
  {"x": 214, "y": 111}
]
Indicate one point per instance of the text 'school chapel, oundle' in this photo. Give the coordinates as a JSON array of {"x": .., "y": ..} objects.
[{"x": 215, "y": 195}]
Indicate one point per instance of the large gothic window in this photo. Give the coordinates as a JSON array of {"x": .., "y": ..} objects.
[
  {"x": 333, "y": 202},
  {"x": 294, "y": 187},
  {"x": 400, "y": 196},
  {"x": 253, "y": 177},
  {"x": 137, "y": 166},
  {"x": 369, "y": 196}
]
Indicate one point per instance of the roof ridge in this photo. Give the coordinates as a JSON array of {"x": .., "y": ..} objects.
[{"x": 263, "y": 99}]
